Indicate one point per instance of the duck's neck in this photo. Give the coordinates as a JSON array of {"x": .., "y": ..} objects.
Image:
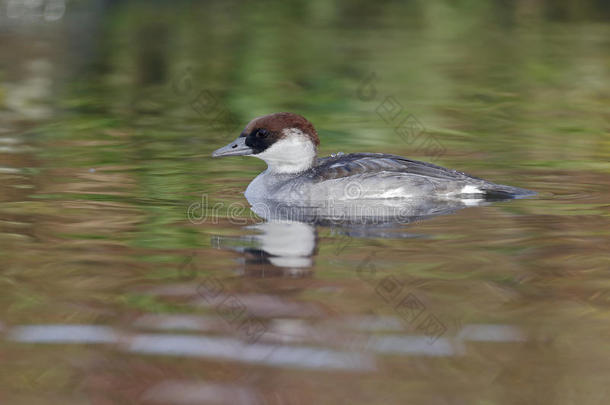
[{"x": 293, "y": 154}]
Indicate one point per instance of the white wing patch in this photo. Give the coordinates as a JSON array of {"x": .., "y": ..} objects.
[
  {"x": 392, "y": 193},
  {"x": 469, "y": 189}
]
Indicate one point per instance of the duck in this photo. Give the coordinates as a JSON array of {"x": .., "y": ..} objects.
[{"x": 289, "y": 143}]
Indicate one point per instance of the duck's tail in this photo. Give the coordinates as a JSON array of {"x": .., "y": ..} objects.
[{"x": 494, "y": 191}]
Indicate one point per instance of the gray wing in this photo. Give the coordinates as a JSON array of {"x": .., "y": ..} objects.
[
  {"x": 335, "y": 167},
  {"x": 386, "y": 166}
]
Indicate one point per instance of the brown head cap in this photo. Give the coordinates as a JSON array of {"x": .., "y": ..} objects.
[{"x": 273, "y": 124}]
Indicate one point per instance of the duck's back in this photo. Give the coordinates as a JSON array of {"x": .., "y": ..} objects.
[
  {"x": 344, "y": 165},
  {"x": 378, "y": 175}
]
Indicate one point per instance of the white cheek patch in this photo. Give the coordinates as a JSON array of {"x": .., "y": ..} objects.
[{"x": 292, "y": 154}]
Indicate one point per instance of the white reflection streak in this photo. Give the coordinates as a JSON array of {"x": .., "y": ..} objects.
[
  {"x": 492, "y": 333},
  {"x": 233, "y": 349},
  {"x": 64, "y": 334},
  {"x": 9, "y": 170},
  {"x": 194, "y": 346},
  {"x": 418, "y": 345},
  {"x": 264, "y": 353}
]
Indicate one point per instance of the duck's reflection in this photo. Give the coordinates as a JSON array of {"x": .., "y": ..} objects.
[
  {"x": 275, "y": 249},
  {"x": 285, "y": 242}
]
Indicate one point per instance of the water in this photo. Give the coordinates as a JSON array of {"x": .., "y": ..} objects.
[{"x": 113, "y": 293}]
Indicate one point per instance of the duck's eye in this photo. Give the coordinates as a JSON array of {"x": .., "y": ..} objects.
[{"x": 261, "y": 133}]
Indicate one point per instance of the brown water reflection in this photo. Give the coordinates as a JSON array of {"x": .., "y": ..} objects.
[{"x": 111, "y": 295}]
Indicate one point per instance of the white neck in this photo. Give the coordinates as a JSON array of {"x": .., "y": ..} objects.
[{"x": 292, "y": 154}]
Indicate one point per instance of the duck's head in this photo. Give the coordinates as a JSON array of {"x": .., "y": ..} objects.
[{"x": 286, "y": 141}]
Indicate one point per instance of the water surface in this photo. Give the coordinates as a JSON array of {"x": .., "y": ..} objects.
[{"x": 112, "y": 293}]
